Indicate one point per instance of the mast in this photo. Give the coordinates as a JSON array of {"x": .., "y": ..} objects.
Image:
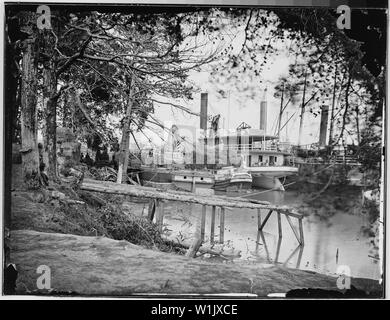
[
  {"x": 280, "y": 112},
  {"x": 302, "y": 111}
]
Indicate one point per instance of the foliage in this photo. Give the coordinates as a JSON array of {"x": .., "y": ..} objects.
[
  {"x": 328, "y": 66},
  {"x": 137, "y": 230}
]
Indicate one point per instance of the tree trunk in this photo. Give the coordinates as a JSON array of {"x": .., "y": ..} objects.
[
  {"x": 11, "y": 121},
  {"x": 50, "y": 106},
  {"x": 125, "y": 142},
  {"x": 357, "y": 124},
  {"x": 345, "y": 110},
  {"x": 29, "y": 120},
  {"x": 66, "y": 113}
]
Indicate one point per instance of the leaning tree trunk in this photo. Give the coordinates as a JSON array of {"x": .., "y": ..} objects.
[
  {"x": 50, "y": 106},
  {"x": 11, "y": 120},
  {"x": 29, "y": 120},
  {"x": 125, "y": 142}
]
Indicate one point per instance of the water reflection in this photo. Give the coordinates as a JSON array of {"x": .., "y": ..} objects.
[
  {"x": 338, "y": 234},
  {"x": 298, "y": 251}
]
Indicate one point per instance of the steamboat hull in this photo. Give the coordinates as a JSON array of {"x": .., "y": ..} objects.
[{"x": 269, "y": 177}]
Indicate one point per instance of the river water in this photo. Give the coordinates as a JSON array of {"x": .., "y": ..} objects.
[{"x": 332, "y": 231}]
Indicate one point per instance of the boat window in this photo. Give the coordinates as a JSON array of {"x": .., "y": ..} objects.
[
  {"x": 185, "y": 177},
  {"x": 201, "y": 178}
]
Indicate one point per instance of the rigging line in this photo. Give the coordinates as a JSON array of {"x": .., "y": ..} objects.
[
  {"x": 135, "y": 140},
  {"x": 274, "y": 126},
  {"x": 155, "y": 132},
  {"x": 139, "y": 128},
  {"x": 287, "y": 121},
  {"x": 170, "y": 133}
]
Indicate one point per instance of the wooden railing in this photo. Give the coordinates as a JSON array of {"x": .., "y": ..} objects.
[{"x": 251, "y": 147}]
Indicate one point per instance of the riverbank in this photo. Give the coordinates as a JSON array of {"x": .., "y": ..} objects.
[
  {"x": 100, "y": 266},
  {"x": 92, "y": 264},
  {"x": 98, "y": 244}
]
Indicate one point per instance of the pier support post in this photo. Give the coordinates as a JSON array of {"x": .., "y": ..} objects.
[
  {"x": 301, "y": 232},
  {"x": 265, "y": 220},
  {"x": 258, "y": 219},
  {"x": 212, "y": 228},
  {"x": 203, "y": 223},
  {"x": 279, "y": 225},
  {"x": 293, "y": 229},
  {"x": 222, "y": 225},
  {"x": 160, "y": 214},
  {"x": 151, "y": 209},
  {"x": 278, "y": 249}
]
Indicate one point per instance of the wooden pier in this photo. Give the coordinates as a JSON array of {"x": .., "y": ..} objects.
[{"x": 158, "y": 197}]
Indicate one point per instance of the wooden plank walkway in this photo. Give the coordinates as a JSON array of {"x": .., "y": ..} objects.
[{"x": 214, "y": 201}]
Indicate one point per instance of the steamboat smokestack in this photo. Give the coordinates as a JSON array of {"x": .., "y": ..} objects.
[
  {"x": 323, "y": 125},
  {"x": 203, "y": 111},
  {"x": 263, "y": 116}
]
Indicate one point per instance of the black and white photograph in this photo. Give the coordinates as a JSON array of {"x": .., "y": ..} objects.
[{"x": 198, "y": 150}]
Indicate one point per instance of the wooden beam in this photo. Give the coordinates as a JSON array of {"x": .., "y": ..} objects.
[
  {"x": 203, "y": 223},
  {"x": 291, "y": 255},
  {"x": 265, "y": 220},
  {"x": 212, "y": 228},
  {"x": 148, "y": 192},
  {"x": 138, "y": 179},
  {"x": 301, "y": 232},
  {"x": 291, "y": 213},
  {"x": 279, "y": 225},
  {"x": 194, "y": 248},
  {"x": 258, "y": 219},
  {"x": 299, "y": 256},
  {"x": 265, "y": 245},
  {"x": 222, "y": 225},
  {"x": 151, "y": 209},
  {"x": 160, "y": 215},
  {"x": 278, "y": 249},
  {"x": 293, "y": 229},
  {"x": 132, "y": 181},
  {"x": 215, "y": 252}
]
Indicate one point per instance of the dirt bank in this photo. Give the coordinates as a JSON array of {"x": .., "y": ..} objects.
[{"x": 102, "y": 266}]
